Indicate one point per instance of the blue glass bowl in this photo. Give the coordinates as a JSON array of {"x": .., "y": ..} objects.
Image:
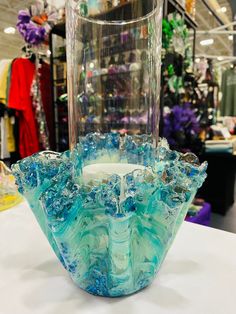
[{"x": 111, "y": 245}]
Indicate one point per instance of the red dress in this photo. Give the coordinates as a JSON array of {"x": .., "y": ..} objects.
[{"x": 23, "y": 71}]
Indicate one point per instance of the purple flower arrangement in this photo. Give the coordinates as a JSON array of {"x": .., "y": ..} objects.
[
  {"x": 181, "y": 127},
  {"x": 35, "y": 23}
]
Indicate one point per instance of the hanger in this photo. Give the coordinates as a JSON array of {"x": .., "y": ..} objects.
[{"x": 28, "y": 53}]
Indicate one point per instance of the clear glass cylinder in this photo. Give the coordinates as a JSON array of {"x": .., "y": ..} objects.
[{"x": 114, "y": 61}]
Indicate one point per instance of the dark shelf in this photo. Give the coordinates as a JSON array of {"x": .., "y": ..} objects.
[
  {"x": 120, "y": 48},
  {"x": 123, "y": 12},
  {"x": 114, "y": 74},
  {"x": 115, "y": 11},
  {"x": 60, "y": 80},
  {"x": 112, "y": 124},
  {"x": 60, "y": 59},
  {"x": 190, "y": 21},
  {"x": 137, "y": 99},
  {"x": 171, "y": 6},
  {"x": 60, "y": 30}
]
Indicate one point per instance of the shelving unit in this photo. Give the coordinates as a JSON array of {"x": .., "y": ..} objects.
[
  {"x": 113, "y": 50},
  {"x": 171, "y": 6}
]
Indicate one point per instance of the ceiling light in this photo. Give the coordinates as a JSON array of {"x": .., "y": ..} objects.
[
  {"x": 91, "y": 66},
  {"x": 197, "y": 60},
  {"x": 231, "y": 37},
  {"x": 220, "y": 58},
  {"x": 48, "y": 53},
  {"x": 207, "y": 42},
  {"x": 10, "y": 30}
]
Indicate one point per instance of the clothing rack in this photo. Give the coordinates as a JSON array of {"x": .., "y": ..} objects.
[{"x": 20, "y": 129}]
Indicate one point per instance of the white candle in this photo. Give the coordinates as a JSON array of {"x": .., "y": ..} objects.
[{"x": 105, "y": 170}]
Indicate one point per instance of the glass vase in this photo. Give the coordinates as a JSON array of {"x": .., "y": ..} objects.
[{"x": 112, "y": 205}]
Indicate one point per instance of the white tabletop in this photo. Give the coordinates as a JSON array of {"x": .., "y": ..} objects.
[{"x": 198, "y": 275}]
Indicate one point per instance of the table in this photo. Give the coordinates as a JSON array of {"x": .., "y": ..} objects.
[{"x": 197, "y": 277}]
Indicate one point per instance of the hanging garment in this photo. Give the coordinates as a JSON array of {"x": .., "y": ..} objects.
[
  {"x": 228, "y": 103},
  {"x": 39, "y": 109},
  {"x": 11, "y": 147},
  {"x": 4, "y": 69},
  {"x": 9, "y": 81},
  {"x": 8, "y": 142},
  {"x": 22, "y": 74}
]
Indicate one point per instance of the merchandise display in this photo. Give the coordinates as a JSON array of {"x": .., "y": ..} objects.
[
  {"x": 26, "y": 100},
  {"x": 180, "y": 116}
]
